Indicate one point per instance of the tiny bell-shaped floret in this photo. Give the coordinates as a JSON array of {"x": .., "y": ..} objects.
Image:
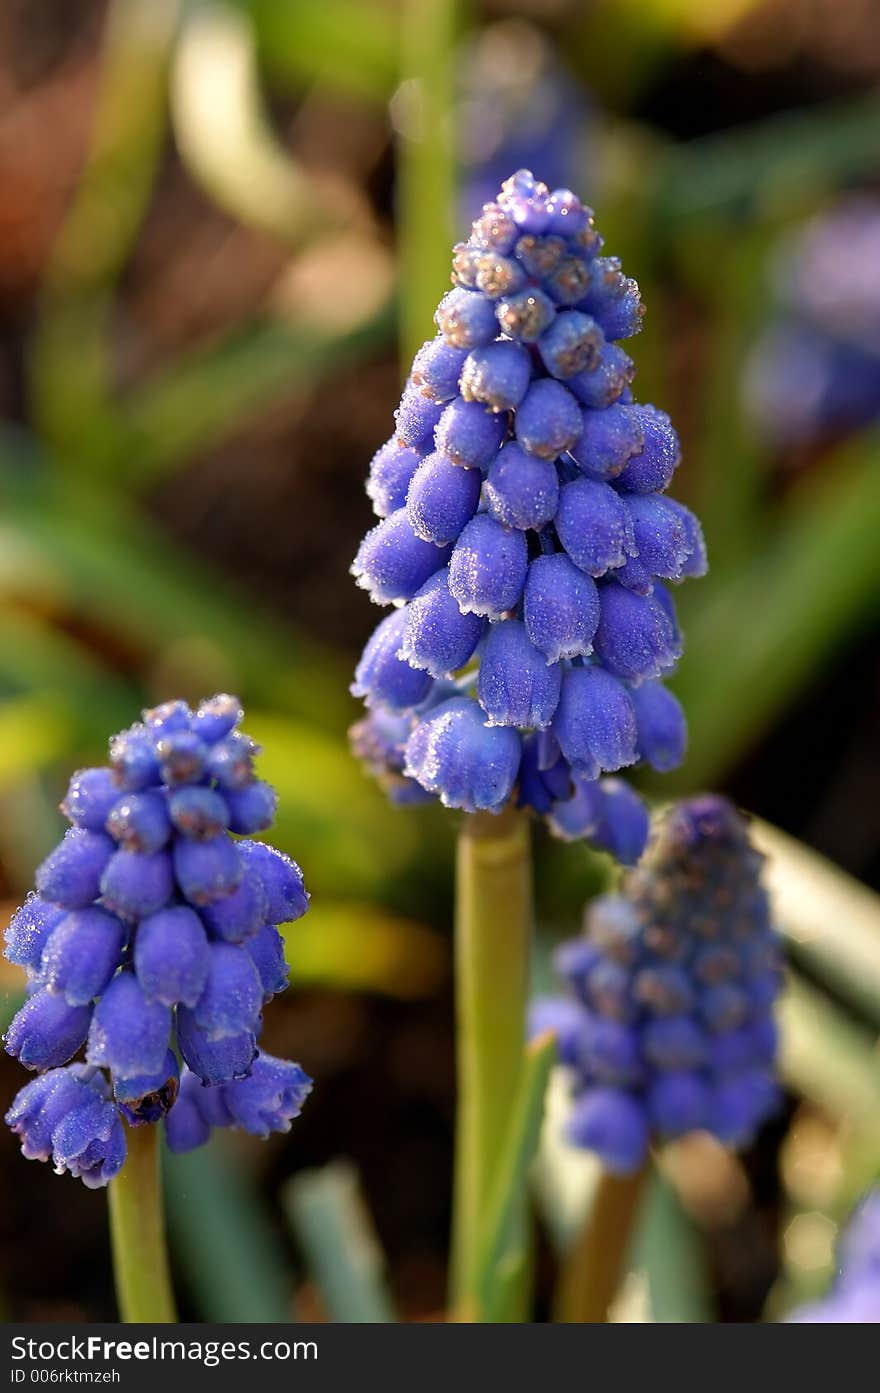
[
  {"x": 664, "y": 540},
  {"x": 650, "y": 469},
  {"x": 129, "y": 1033},
  {"x": 548, "y": 421},
  {"x": 134, "y": 759},
  {"x": 171, "y": 956},
  {"x": 88, "y": 1140},
  {"x": 230, "y": 763},
  {"x": 516, "y": 686},
  {"x": 455, "y": 754},
  {"x": 71, "y": 874},
  {"x": 614, "y": 1125},
  {"x": 140, "y": 821},
  {"x": 392, "y": 468},
  {"x": 497, "y": 375},
  {"x": 604, "y": 380},
  {"x": 560, "y": 607},
  {"x": 28, "y": 931},
  {"x": 624, "y": 822},
  {"x": 240, "y": 914},
  {"x": 232, "y": 997},
  {"x": 137, "y": 883},
  {"x": 82, "y": 953},
  {"x": 266, "y": 949},
  {"x": 488, "y": 568},
  {"x": 442, "y": 499},
  {"x": 570, "y": 345},
  {"x": 186, "y": 1126},
  {"x": 251, "y": 809},
  {"x": 613, "y": 299},
  {"x": 526, "y": 314},
  {"x": 466, "y": 319},
  {"x": 521, "y": 490},
  {"x": 436, "y": 369},
  {"x": 37, "y": 1109},
  {"x": 199, "y": 812},
  {"x": 286, "y": 896},
  {"x": 206, "y": 871},
  {"x": 269, "y": 1098},
  {"x": 595, "y": 723},
  {"x": 215, "y": 1061},
  {"x": 382, "y": 677},
  {"x": 216, "y": 717},
  {"x": 608, "y": 439},
  {"x": 594, "y": 525},
  {"x": 635, "y": 637},
  {"x": 661, "y": 726},
  {"x": 182, "y": 757},
  {"x": 47, "y": 1031},
  {"x": 393, "y": 563},
  {"x": 148, "y": 1097},
  {"x": 416, "y": 418},
  {"x": 436, "y": 635},
  {"x": 90, "y": 796},
  {"x": 469, "y": 434}
]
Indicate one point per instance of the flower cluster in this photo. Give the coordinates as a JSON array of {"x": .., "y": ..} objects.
[
  {"x": 854, "y": 1298},
  {"x": 525, "y": 540},
  {"x": 669, "y": 1027},
  {"x": 150, "y": 923},
  {"x": 816, "y": 369}
]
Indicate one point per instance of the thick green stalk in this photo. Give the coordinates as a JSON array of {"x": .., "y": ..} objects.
[
  {"x": 492, "y": 932},
  {"x": 592, "y": 1271},
  {"x": 137, "y": 1232}
]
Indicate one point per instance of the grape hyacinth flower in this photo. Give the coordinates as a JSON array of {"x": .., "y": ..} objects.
[
  {"x": 854, "y": 1298},
  {"x": 815, "y": 371},
  {"x": 526, "y": 541},
  {"x": 669, "y": 1028},
  {"x": 152, "y": 940}
]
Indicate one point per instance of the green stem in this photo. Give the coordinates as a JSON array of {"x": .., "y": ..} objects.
[
  {"x": 492, "y": 929},
  {"x": 137, "y": 1232},
  {"x": 593, "y": 1269},
  {"x": 425, "y": 119}
]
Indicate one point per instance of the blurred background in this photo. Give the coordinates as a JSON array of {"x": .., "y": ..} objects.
[{"x": 224, "y": 227}]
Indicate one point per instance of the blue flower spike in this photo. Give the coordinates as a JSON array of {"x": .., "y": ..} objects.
[
  {"x": 525, "y": 540},
  {"x": 152, "y": 940},
  {"x": 674, "y": 982}
]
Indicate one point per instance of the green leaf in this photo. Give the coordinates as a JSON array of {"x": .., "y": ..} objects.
[
  {"x": 201, "y": 397},
  {"x": 766, "y": 166},
  {"x": 828, "y": 1058},
  {"x": 341, "y": 43},
  {"x": 223, "y": 1240},
  {"x": 757, "y": 636},
  {"x": 327, "y": 1215},
  {"x": 111, "y": 565},
  {"x": 423, "y": 113},
  {"x": 831, "y": 921},
  {"x": 669, "y": 1249},
  {"x": 223, "y": 132},
  {"x": 70, "y": 368},
  {"x": 505, "y": 1244},
  {"x": 356, "y": 946}
]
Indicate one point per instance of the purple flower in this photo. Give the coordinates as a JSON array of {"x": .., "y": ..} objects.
[
  {"x": 672, "y": 1038},
  {"x": 133, "y": 946},
  {"x": 523, "y": 472}
]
